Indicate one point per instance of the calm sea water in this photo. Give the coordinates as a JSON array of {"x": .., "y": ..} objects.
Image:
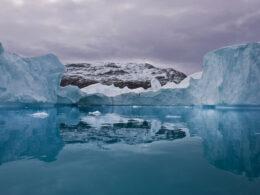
[{"x": 129, "y": 150}]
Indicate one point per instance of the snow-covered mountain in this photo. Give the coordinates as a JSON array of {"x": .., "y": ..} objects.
[{"x": 132, "y": 75}]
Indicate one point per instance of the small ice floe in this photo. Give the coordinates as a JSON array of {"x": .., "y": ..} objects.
[
  {"x": 96, "y": 113},
  {"x": 136, "y": 106},
  {"x": 173, "y": 116},
  {"x": 40, "y": 115}
]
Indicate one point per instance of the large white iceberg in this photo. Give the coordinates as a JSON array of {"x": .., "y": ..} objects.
[
  {"x": 231, "y": 75},
  {"x": 33, "y": 80},
  {"x": 29, "y": 80}
]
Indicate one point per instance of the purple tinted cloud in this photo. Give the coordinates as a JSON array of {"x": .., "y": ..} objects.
[{"x": 175, "y": 33}]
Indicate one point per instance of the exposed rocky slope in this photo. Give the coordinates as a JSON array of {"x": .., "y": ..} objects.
[{"x": 132, "y": 75}]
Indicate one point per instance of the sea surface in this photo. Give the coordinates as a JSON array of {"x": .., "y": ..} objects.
[{"x": 129, "y": 150}]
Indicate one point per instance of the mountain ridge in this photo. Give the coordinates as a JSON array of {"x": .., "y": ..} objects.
[{"x": 131, "y": 75}]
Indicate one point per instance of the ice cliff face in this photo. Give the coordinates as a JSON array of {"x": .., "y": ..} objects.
[
  {"x": 230, "y": 76},
  {"x": 29, "y": 80},
  {"x": 34, "y": 80}
]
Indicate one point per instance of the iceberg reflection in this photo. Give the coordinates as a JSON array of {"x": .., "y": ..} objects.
[
  {"x": 25, "y": 136},
  {"x": 231, "y": 139}
]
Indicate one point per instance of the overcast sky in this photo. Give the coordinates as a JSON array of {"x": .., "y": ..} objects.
[{"x": 175, "y": 33}]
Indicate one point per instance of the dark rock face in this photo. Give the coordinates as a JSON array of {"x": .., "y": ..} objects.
[{"x": 132, "y": 75}]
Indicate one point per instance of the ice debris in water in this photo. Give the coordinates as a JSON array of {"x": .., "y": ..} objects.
[
  {"x": 40, "y": 115},
  {"x": 173, "y": 116},
  {"x": 96, "y": 113}
]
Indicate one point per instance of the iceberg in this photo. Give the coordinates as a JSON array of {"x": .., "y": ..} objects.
[
  {"x": 230, "y": 77},
  {"x": 95, "y": 113},
  {"x": 40, "y": 115},
  {"x": 34, "y": 80},
  {"x": 69, "y": 95},
  {"x": 29, "y": 80}
]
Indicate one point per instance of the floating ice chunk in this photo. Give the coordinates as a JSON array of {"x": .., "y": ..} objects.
[
  {"x": 173, "y": 116},
  {"x": 40, "y": 115},
  {"x": 155, "y": 84},
  {"x": 96, "y": 113}
]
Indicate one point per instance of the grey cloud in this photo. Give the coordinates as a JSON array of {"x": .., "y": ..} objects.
[{"x": 168, "y": 32}]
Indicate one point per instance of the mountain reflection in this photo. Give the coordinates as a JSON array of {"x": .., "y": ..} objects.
[
  {"x": 230, "y": 137},
  {"x": 101, "y": 130}
]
